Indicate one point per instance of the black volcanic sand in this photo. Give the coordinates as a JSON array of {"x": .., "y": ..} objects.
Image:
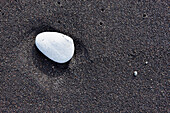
[{"x": 113, "y": 38}]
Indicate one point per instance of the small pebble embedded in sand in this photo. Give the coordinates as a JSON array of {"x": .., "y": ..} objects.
[
  {"x": 146, "y": 62},
  {"x": 135, "y": 73}
]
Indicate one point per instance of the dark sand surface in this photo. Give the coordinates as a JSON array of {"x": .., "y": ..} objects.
[{"x": 113, "y": 38}]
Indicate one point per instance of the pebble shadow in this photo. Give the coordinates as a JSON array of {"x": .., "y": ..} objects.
[{"x": 48, "y": 66}]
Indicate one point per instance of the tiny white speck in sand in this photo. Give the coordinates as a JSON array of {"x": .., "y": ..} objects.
[
  {"x": 146, "y": 62},
  {"x": 135, "y": 73}
]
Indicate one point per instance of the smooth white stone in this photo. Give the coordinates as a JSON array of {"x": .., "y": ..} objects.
[
  {"x": 56, "y": 46},
  {"x": 135, "y": 73},
  {"x": 146, "y": 62}
]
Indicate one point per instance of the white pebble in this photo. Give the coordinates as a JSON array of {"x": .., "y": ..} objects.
[
  {"x": 146, "y": 62},
  {"x": 56, "y": 46},
  {"x": 135, "y": 73}
]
